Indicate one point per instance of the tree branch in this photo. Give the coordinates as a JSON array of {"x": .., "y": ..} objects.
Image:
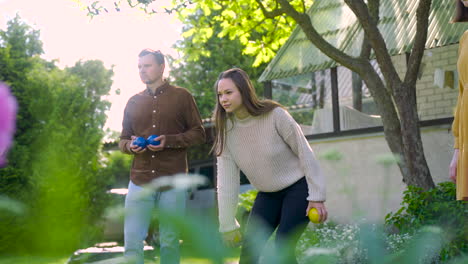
[
  {"x": 303, "y": 20},
  {"x": 377, "y": 42},
  {"x": 269, "y": 14},
  {"x": 417, "y": 52},
  {"x": 366, "y": 48},
  {"x": 359, "y": 65},
  {"x": 129, "y": 2},
  {"x": 303, "y": 6}
]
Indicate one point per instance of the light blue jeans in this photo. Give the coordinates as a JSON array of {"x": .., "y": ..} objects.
[{"x": 138, "y": 210}]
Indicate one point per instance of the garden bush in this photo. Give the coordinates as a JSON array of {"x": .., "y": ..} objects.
[
  {"x": 246, "y": 201},
  {"x": 436, "y": 207}
]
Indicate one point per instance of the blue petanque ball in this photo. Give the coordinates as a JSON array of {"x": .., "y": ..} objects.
[
  {"x": 140, "y": 141},
  {"x": 151, "y": 141}
]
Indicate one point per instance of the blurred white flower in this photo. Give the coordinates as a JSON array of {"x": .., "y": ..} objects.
[
  {"x": 321, "y": 251},
  {"x": 178, "y": 181},
  {"x": 11, "y": 205}
]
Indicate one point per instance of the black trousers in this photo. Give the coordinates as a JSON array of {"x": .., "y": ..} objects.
[{"x": 284, "y": 211}]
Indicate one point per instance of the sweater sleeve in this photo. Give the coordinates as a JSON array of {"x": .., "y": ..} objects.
[
  {"x": 456, "y": 120},
  {"x": 292, "y": 134},
  {"x": 228, "y": 191}
]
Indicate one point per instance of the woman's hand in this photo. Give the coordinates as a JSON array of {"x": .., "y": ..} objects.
[
  {"x": 320, "y": 206},
  {"x": 453, "y": 166},
  {"x": 232, "y": 238}
]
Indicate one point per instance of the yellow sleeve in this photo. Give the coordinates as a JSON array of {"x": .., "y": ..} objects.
[{"x": 456, "y": 121}]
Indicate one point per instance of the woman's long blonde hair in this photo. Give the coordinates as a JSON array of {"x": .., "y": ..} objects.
[{"x": 254, "y": 106}]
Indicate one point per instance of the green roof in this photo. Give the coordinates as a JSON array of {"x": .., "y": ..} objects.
[{"x": 339, "y": 26}]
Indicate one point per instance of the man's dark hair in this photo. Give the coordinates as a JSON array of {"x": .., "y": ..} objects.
[
  {"x": 461, "y": 12},
  {"x": 156, "y": 54}
]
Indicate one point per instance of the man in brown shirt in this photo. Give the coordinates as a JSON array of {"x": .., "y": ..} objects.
[{"x": 170, "y": 112}]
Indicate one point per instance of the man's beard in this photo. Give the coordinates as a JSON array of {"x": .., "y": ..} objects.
[{"x": 149, "y": 81}]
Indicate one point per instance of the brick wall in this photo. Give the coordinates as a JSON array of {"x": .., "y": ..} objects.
[{"x": 433, "y": 101}]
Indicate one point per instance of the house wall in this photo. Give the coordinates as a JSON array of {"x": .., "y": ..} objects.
[
  {"x": 436, "y": 96},
  {"x": 433, "y": 101},
  {"x": 359, "y": 187}
]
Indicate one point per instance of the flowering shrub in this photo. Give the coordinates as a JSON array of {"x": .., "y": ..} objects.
[
  {"x": 369, "y": 243},
  {"x": 7, "y": 121},
  {"x": 395, "y": 242},
  {"x": 339, "y": 242},
  {"x": 435, "y": 207}
]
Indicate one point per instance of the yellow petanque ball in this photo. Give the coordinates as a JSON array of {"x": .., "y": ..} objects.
[
  {"x": 314, "y": 216},
  {"x": 237, "y": 238}
]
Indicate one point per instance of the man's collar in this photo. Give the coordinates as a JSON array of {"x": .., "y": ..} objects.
[{"x": 160, "y": 89}]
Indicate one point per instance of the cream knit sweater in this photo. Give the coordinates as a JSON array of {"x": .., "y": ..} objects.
[{"x": 273, "y": 153}]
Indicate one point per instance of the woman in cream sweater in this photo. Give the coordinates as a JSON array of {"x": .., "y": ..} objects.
[{"x": 260, "y": 138}]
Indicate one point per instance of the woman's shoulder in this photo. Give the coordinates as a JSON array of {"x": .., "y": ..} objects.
[
  {"x": 279, "y": 113},
  {"x": 280, "y": 110},
  {"x": 279, "y": 116},
  {"x": 464, "y": 36}
]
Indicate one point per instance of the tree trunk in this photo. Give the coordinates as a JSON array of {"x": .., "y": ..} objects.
[
  {"x": 414, "y": 167},
  {"x": 388, "y": 114},
  {"x": 357, "y": 91},
  {"x": 321, "y": 92},
  {"x": 419, "y": 174},
  {"x": 313, "y": 89},
  {"x": 403, "y": 136}
]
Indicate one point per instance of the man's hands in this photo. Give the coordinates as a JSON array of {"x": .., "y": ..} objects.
[
  {"x": 232, "y": 238},
  {"x": 453, "y": 166},
  {"x": 138, "y": 150},
  {"x": 320, "y": 208},
  {"x": 161, "y": 145}
]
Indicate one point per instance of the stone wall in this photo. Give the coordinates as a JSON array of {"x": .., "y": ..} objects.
[{"x": 359, "y": 186}]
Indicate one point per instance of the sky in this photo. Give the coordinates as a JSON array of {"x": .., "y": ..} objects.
[{"x": 116, "y": 38}]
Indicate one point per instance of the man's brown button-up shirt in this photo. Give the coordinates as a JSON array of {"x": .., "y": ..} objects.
[{"x": 170, "y": 111}]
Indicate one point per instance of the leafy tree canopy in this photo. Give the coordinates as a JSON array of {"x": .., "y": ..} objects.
[
  {"x": 197, "y": 70},
  {"x": 243, "y": 20},
  {"x": 55, "y": 160}
]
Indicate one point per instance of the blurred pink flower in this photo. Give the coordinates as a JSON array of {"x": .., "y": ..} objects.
[{"x": 7, "y": 121}]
